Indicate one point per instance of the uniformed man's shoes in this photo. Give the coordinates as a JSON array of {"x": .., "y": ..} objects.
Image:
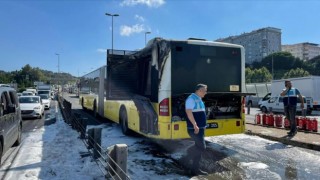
[{"x": 291, "y": 134}]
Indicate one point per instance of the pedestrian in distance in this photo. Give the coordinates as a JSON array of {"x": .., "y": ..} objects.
[
  {"x": 290, "y": 98},
  {"x": 196, "y": 125}
]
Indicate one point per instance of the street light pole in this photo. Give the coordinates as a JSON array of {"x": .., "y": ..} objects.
[
  {"x": 58, "y": 70},
  {"x": 112, "y": 15},
  {"x": 145, "y": 37},
  {"x": 272, "y": 66}
]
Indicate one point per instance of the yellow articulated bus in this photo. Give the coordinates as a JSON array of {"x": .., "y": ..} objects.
[{"x": 145, "y": 91}]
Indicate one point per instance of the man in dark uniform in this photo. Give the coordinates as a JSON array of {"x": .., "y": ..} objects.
[{"x": 290, "y": 98}]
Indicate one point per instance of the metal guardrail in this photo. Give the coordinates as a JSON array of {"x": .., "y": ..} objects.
[{"x": 112, "y": 162}]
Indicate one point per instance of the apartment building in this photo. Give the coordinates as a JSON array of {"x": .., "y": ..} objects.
[
  {"x": 258, "y": 43},
  {"x": 303, "y": 51}
]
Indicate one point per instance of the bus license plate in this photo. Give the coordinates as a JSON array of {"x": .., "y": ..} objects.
[{"x": 212, "y": 125}]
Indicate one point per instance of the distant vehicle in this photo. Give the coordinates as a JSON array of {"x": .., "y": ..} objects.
[
  {"x": 10, "y": 120},
  {"x": 19, "y": 94},
  {"x": 259, "y": 90},
  {"x": 34, "y": 91},
  {"x": 265, "y": 98},
  {"x": 275, "y": 104},
  {"x": 308, "y": 87},
  {"x": 28, "y": 93},
  {"x": 45, "y": 89},
  {"x": 31, "y": 107},
  {"x": 46, "y": 100},
  {"x": 4, "y": 85}
]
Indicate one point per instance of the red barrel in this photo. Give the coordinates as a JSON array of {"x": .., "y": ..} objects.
[
  {"x": 309, "y": 124},
  {"x": 279, "y": 121},
  {"x": 302, "y": 123},
  {"x": 286, "y": 123},
  {"x": 315, "y": 125},
  {"x": 297, "y": 120},
  {"x": 271, "y": 120},
  {"x": 264, "y": 119},
  {"x": 267, "y": 119},
  {"x": 258, "y": 119}
]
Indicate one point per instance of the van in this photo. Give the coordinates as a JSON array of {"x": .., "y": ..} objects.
[
  {"x": 275, "y": 104},
  {"x": 10, "y": 120}
]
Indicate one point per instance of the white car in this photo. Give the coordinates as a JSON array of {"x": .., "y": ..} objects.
[
  {"x": 31, "y": 106},
  {"x": 275, "y": 104},
  {"x": 28, "y": 93},
  {"x": 46, "y": 100}
]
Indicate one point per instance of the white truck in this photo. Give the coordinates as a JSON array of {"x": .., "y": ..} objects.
[
  {"x": 45, "y": 89},
  {"x": 308, "y": 87}
]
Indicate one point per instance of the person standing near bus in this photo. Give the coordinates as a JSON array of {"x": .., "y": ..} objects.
[
  {"x": 196, "y": 125},
  {"x": 290, "y": 99}
]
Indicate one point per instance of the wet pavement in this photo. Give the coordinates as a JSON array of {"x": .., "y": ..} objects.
[
  {"x": 302, "y": 139},
  {"x": 247, "y": 156}
]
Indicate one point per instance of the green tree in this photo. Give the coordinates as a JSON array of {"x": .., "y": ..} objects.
[
  {"x": 258, "y": 75},
  {"x": 5, "y": 78},
  {"x": 299, "y": 72}
]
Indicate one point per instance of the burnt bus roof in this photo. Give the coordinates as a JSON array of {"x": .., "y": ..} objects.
[{"x": 216, "y": 64}]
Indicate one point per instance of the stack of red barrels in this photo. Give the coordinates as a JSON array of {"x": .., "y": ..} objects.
[{"x": 280, "y": 121}]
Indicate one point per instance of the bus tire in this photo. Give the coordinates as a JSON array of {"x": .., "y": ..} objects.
[
  {"x": 82, "y": 104},
  {"x": 95, "y": 113},
  {"x": 1, "y": 151},
  {"x": 124, "y": 121}
]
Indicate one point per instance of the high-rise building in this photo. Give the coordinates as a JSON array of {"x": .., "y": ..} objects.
[
  {"x": 258, "y": 43},
  {"x": 304, "y": 51}
]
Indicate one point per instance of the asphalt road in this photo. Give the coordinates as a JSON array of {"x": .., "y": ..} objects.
[{"x": 28, "y": 125}]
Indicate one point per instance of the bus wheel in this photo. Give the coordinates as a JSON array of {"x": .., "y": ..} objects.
[
  {"x": 95, "y": 113},
  {"x": 124, "y": 121},
  {"x": 1, "y": 151},
  {"x": 82, "y": 104}
]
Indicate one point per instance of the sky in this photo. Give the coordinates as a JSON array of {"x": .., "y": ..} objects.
[{"x": 34, "y": 31}]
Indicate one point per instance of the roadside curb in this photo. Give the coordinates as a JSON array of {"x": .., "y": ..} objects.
[
  {"x": 286, "y": 140},
  {"x": 309, "y": 132}
]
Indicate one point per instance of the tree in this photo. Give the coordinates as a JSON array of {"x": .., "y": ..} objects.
[
  {"x": 299, "y": 72},
  {"x": 258, "y": 75}
]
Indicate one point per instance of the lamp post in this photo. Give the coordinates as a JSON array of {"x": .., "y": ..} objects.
[
  {"x": 112, "y": 15},
  {"x": 145, "y": 37},
  {"x": 58, "y": 71},
  {"x": 272, "y": 66}
]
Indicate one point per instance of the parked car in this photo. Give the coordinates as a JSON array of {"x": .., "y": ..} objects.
[
  {"x": 10, "y": 120},
  {"x": 31, "y": 107},
  {"x": 275, "y": 104},
  {"x": 46, "y": 100}
]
